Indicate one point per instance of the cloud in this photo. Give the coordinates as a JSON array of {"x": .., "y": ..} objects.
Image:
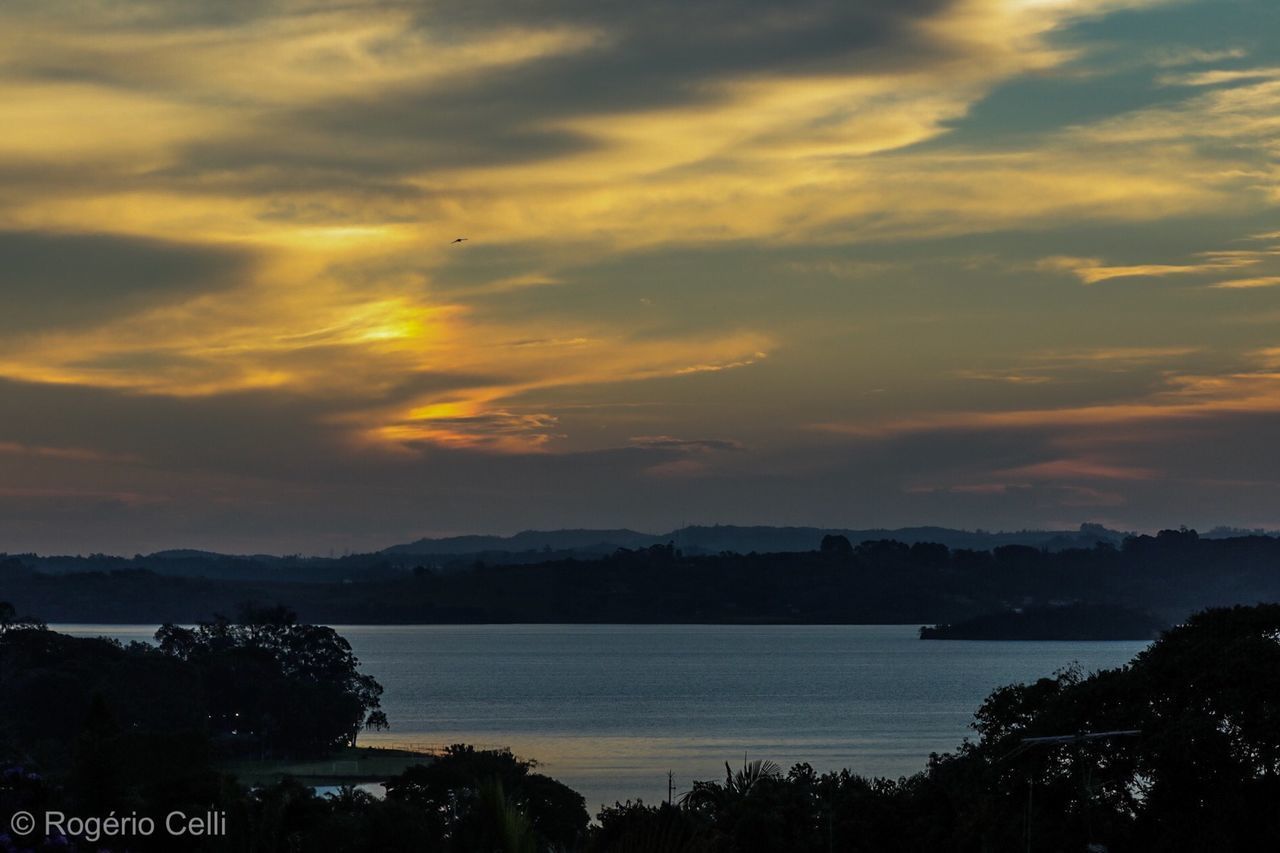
[
  {"x": 592, "y": 116},
  {"x": 496, "y": 430},
  {"x": 237, "y": 304},
  {"x": 1173, "y": 57},
  {"x": 685, "y": 458},
  {"x": 1246, "y": 283},
  {"x": 685, "y": 445},
  {"x": 716, "y": 367},
  {"x": 1179, "y": 397},
  {"x": 1080, "y": 366},
  {"x": 54, "y": 280},
  {"x": 1093, "y": 270},
  {"x": 1110, "y": 357},
  {"x": 1220, "y": 77},
  {"x": 80, "y": 454},
  {"x": 1075, "y": 469},
  {"x": 1203, "y": 264},
  {"x": 1013, "y": 376}
]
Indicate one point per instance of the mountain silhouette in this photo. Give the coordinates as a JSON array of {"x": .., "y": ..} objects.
[{"x": 746, "y": 539}]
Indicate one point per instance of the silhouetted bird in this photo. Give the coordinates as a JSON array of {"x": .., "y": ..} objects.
[{"x": 459, "y": 240}]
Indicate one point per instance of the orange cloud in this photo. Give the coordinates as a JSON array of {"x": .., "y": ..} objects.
[
  {"x": 1246, "y": 283},
  {"x": 1076, "y": 469},
  {"x": 1092, "y": 270}
]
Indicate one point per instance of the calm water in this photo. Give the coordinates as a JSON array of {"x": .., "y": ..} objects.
[{"x": 609, "y": 709}]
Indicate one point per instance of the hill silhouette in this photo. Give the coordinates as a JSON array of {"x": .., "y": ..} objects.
[
  {"x": 876, "y": 581},
  {"x": 713, "y": 539}
]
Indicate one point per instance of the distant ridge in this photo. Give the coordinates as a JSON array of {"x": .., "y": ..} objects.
[
  {"x": 530, "y": 540},
  {"x": 745, "y": 539},
  {"x": 883, "y": 581}
]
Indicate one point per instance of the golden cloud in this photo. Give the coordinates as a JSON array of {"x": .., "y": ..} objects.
[{"x": 801, "y": 157}]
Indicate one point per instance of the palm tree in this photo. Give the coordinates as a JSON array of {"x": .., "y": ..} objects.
[
  {"x": 506, "y": 828},
  {"x": 737, "y": 787}
]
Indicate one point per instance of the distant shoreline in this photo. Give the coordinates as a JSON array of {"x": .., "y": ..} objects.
[
  {"x": 1074, "y": 622},
  {"x": 882, "y": 582}
]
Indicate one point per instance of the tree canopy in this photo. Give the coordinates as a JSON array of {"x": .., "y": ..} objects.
[
  {"x": 1177, "y": 750},
  {"x": 286, "y": 686}
]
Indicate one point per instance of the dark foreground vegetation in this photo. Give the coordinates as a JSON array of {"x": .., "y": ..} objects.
[
  {"x": 880, "y": 581},
  {"x": 91, "y": 728}
]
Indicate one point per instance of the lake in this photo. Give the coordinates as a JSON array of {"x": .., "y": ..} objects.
[{"x": 609, "y": 709}]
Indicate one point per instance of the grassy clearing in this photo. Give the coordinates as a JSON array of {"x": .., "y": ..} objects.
[{"x": 347, "y": 766}]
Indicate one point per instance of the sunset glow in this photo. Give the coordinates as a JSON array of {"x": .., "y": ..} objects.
[{"x": 997, "y": 262}]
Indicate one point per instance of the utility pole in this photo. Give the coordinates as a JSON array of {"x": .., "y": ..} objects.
[
  {"x": 1056, "y": 740},
  {"x": 671, "y": 785},
  {"x": 1030, "y": 787}
]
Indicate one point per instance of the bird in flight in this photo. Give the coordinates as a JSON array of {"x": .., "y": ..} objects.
[{"x": 459, "y": 240}]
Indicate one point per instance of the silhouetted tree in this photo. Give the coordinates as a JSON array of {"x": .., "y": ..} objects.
[
  {"x": 280, "y": 684},
  {"x": 485, "y": 797},
  {"x": 836, "y": 544},
  {"x": 11, "y": 621}
]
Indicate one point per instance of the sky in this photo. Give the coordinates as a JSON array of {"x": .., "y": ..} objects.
[{"x": 977, "y": 263}]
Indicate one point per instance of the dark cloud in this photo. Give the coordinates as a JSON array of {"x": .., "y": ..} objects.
[
  {"x": 160, "y": 14},
  {"x": 651, "y": 55},
  {"x": 269, "y": 434},
  {"x": 265, "y": 430},
  {"x": 364, "y": 147},
  {"x": 660, "y": 51},
  {"x": 85, "y": 468},
  {"x": 685, "y": 445},
  {"x": 53, "y": 280},
  {"x": 418, "y": 383},
  {"x": 273, "y": 472}
]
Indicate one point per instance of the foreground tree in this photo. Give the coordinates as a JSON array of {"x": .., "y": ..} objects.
[
  {"x": 270, "y": 681},
  {"x": 11, "y": 621},
  {"x": 491, "y": 800},
  {"x": 1202, "y": 772},
  {"x": 1197, "y": 768},
  {"x": 90, "y": 724}
]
